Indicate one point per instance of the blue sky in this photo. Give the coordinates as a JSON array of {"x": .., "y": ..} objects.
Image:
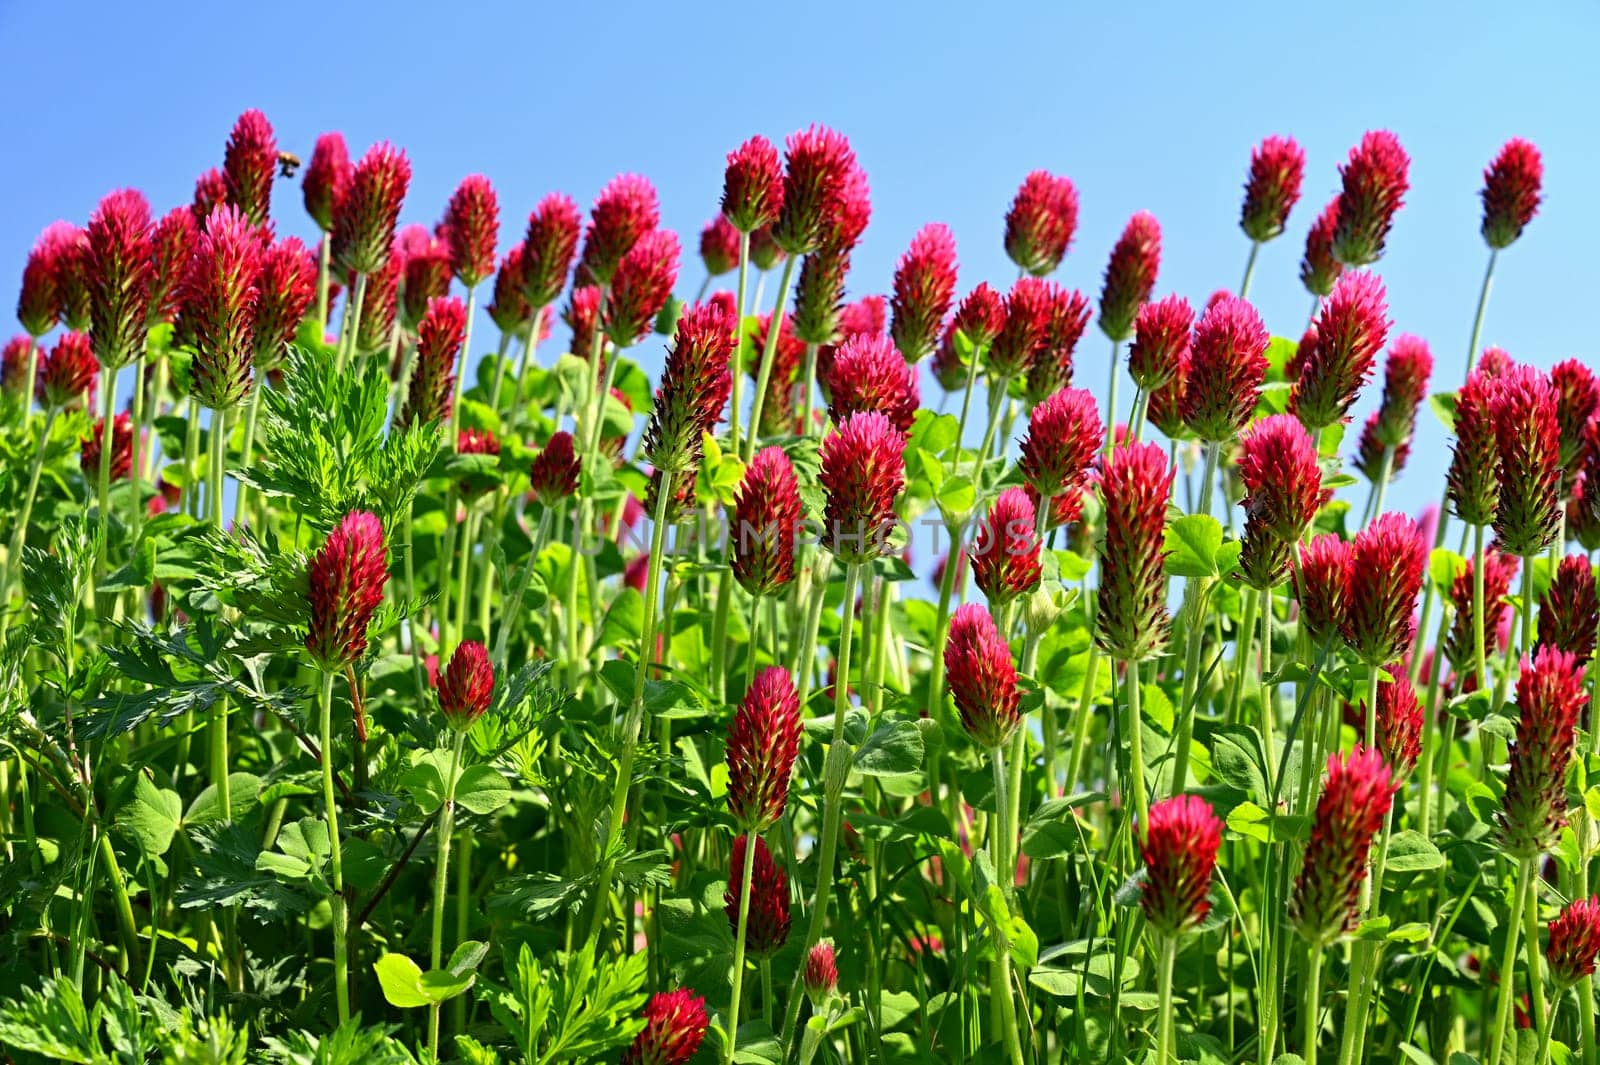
[{"x": 1151, "y": 106}]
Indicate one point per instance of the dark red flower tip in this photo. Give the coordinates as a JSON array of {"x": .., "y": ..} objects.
[
  {"x": 1472, "y": 484},
  {"x": 475, "y": 442},
  {"x": 1583, "y": 509},
  {"x": 1527, "y": 433},
  {"x": 752, "y": 186},
  {"x": 1164, "y": 407},
  {"x": 819, "y": 296},
  {"x": 46, "y": 277},
  {"x": 508, "y": 308},
  {"x": 766, "y": 518},
  {"x": 1132, "y": 623},
  {"x": 1029, "y": 307},
  {"x": 626, "y": 209},
  {"x": 472, "y": 224},
  {"x": 1551, "y": 696},
  {"x": 981, "y": 677},
  {"x": 719, "y": 247},
  {"x": 980, "y": 317},
  {"x": 1577, "y": 402},
  {"x": 1319, "y": 268},
  {"x": 674, "y": 1024},
  {"x": 210, "y": 192},
  {"x": 1227, "y": 365},
  {"x": 867, "y": 315},
  {"x": 555, "y": 470},
  {"x": 868, "y": 374},
  {"x": 1064, "y": 437},
  {"x": 431, "y": 395},
  {"x": 924, "y": 288},
  {"x": 1494, "y": 362},
  {"x": 67, "y": 373},
  {"x": 767, "y": 927},
  {"x": 218, "y": 307},
  {"x": 778, "y": 411},
  {"x": 346, "y": 580},
  {"x": 1569, "y": 612},
  {"x": 1405, "y": 386},
  {"x": 248, "y": 165},
  {"x": 120, "y": 261},
  {"x": 466, "y": 686},
  {"x": 549, "y": 247},
  {"x": 1051, "y": 368},
  {"x": 1005, "y": 553},
  {"x": 1399, "y": 718},
  {"x": 1277, "y": 165},
  {"x": 818, "y": 163},
  {"x": 863, "y": 473},
  {"x": 1499, "y": 569},
  {"x": 640, "y": 287},
  {"x": 821, "y": 974},
  {"x": 1511, "y": 192},
  {"x": 173, "y": 242},
  {"x": 1387, "y": 562},
  {"x": 14, "y": 365},
  {"x": 1179, "y": 850},
  {"x": 1041, "y": 222},
  {"x": 1282, "y": 479},
  {"x": 764, "y": 251},
  {"x": 763, "y": 742},
  {"x": 288, "y": 287},
  {"x": 364, "y": 222},
  {"x": 1574, "y": 942},
  {"x": 90, "y": 447},
  {"x": 1160, "y": 341},
  {"x": 1375, "y": 182},
  {"x": 1355, "y": 800},
  {"x": 582, "y": 315},
  {"x": 1351, "y": 328},
  {"x": 1323, "y": 589},
  {"x": 695, "y": 384},
  {"x": 424, "y": 268},
  {"x": 844, "y": 223},
  {"x": 327, "y": 180},
  {"x": 1130, "y": 275}
]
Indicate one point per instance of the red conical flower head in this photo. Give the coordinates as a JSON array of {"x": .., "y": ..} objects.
[
  {"x": 210, "y": 192},
  {"x": 555, "y": 470},
  {"x": 120, "y": 262},
  {"x": 1029, "y": 307},
  {"x": 67, "y": 373},
  {"x": 220, "y": 295},
  {"x": 472, "y": 222},
  {"x": 719, "y": 247},
  {"x": 1130, "y": 275},
  {"x": 821, "y": 973},
  {"x": 1577, "y": 402},
  {"x": 346, "y": 580},
  {"x": 1551, "y": 696},
  {"x": 1324, "y": 587},
  {"x": 767, "y": 928},
  {"x": 868, "y": 374},
  {"x": 248, "y": 165},
  {"x": 1041, "y": 222},
  {"x": 1528, "y": 442},
  {"x": 752, "y": 186},
  {"x": 863, "y": 473},
  {"x": 1473, "y": 487},
  {"x": 1351, "y": 328},
  {"x": 1132, "y": 623},
  {"x": 1399, "y": 718},
  {"x": 1227, "y": 365},
  {"x": 640, "y": 287},
  {"x": 1355, "y": 800},
  {"x": 694, "y": 388},
  {"x": 1405, "y": 386},
  {"x": 1005, "y": 555},
  {"x": 817, "y": 164},
  {"x": 1064, "y": 437},
  {"x": 1499, "y": 569},
  {"x": 1574, "y": 942},
  {"x": 327, "y": 180},
  {"x": 766, "y": 517},
  {"x": 89, "y": 447},
  {"x": 42, "y": 300},
  {"x": 1375, "y": 183},
  {"x": 674, "y": 1024},
  {"x": 363, "y": 223},
  {"x": 1511, "y": 192},
  {"x": 1051, "y": 368},
  {"x": 431, "y": 396},
  {"x": 549, "y": 248},
  {"x": 626, "y": 209},
  {"x": 1387, "y": 561},
  {"x": 1179, "y": 849},
  {"x": 981, "y": 677},
  {"x": 288, "y": 287},
  {"x": 466, "y": 686},
  {"x": 1277, "y": 165},
  {"x": 1319, "y": 269},
  {"x": 174, "y": 240},
  {"x": 763, "y": 742},
  {"x": 1160, "y": 341},
  {"x": 1569, "y": 613},
  {"x": 924, "y": 288}
]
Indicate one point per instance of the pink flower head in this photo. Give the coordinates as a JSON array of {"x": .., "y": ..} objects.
[
  {"x": 363, "y": 223},
  {"x": 67, "y": 373},
  {"x": 1324, "y": 587},
  {"x": 767, "y": 928},
  {"x": 821, "y": 973},
  {"x": 626, "y": 209},
  {"x": 1277, "y": 165},
  {"x": 819, "y": 296},
  {"x": 719, "y": 247},
  {"x": 981, "y": 316},
  {"x": 1160, "y": 341},
  {"x": 1577, "y": 402},
  {"x": 431, "y": 396},
  {"x": 1051, "y": 368},
  {"x": 863, "y": 473},
  {"x": 1499, "y": 569},
  {"x": 1064, "y": 437},
  {"x": 674, "y": 1024},
  {"x": 120, "y": 260},
  {"x": 1387, "y": 561},
  {"x": 248, "y": 165},
  {"x": 817, "y": 164},
  {"x": 1164, "y": 407},
  {"x": 1494, "y": 362},
  {"x": 1356, "y": 798},
  {"x": 220, "y": 296},
  {"x": 1405, "y": 386},
  {"x": 424, "y": 262},
  {"x": 509, "y": 308},
  {"x": 1574, "y": 942},
  {"x": 869, "y": 374},
  {"x": 327, "y": 180},
  {"x": 555, "y": 470},
  {"x": 1130, "y": 275},
  {"x": 1319, "y": 269},
  {"x": 14, "y": 364},
  {"x": 1527, "y": 441},
  {"x": 867, "y": 315},
  {"x": 763, "y": 742},
  {"x": 172, "y": 244},
  {"x": 694, "y": 388},
  {"x": 1041, "y": 222},
  {"x": 1179, "y": 848},
  {"x": 550, "y": 246},
  {"x": 1227, "y": 365},
  {"x": 766, "y": 517},
  {"x": 844, "y": 224},
  {"x": 1282, "y": 480},
  {"x": 981, "y": 677},
  {"x": 210, "y": 192},
  {"x": 466, "y": 686},
  {"x": 90, "y": 447},
  {"x": 346, "y": 580},
  {"x": 752, "y": 186},
  {"x": 1511, "y": 192},
  {"x": 764, "y": 251},
  {"x": 1029, "y": 307},
  {"x": 1399, "y": 717},
  {"x": 583, "y": 316},
  {"x": 1351, "y": 328},
  {"x": 1569, "y": 613},
  {"x": 1375, "y": 184},
  {"x": 288, "y": 287},
  {"x": 1132, "y": 623},
  {"x": 1551, "y": 696},
  {"x": 1473, "y": 487},
  {"x": 472, "y": 223},
  {"x": 778, "y": 413},
  {"x": 380, "y": 305},
  {"x": 924, "y": 288},
  {"x": 43, "y": 297},
  {"x": 641, "y": 286},
  {"x": 1005, "y": 556}
]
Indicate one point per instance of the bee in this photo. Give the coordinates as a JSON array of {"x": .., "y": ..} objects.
[{"x": 288, "y": 163}]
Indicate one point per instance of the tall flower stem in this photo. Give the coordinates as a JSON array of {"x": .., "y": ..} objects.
[
  {"x": 513, "y": 607},
  {"x": 466, "y": 359},
  {"x": 530, "y": 345},
  {"x": 738, "y": 943},
  {"x": 803, "y": 664},
  {"x": 341, "y": 961},
  {"x": 20, "y": 533},
  {"x": 447, "y": 819},
  {"x": 1169, "y": 954},
  {"x": 136, "y": 463},
  {"x": 351, "y": 324},
  {"x": 219, "y": 711},
  {"x": 241, "y": 498},
  {"x": 1508, "y": 959},
  {"x": 1479, "y": 667},
  {"x": 769, "y": 351},
  {"x": 1530, "y": 935},
  {"x": 324, "y": 262},
  {"x": 836, "y": 769},
  {"x": 103, "y": 482},
  {"x": 500, "y": 360},
  {"x": 1527, "y": 633},
  {"x": 1135, "y": 727},
  {"x": 1111, "y": 396},
  {"x": 1194, "y": 601},
  {"x": 997, "y": 395},
  {"x": 1311, "y": 1006},
  {"x": 1381, "y": 485},
  {"x": 29, "y": 379},
  {"x": 738, "y": 337},
  {"x": 1001, "y": 997},
  {"x": 1244, "y": 286}
]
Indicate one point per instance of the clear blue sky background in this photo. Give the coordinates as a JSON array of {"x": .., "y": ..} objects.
[{"x": 1152, "y": 106}]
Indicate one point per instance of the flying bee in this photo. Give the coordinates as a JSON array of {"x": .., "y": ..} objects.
[{"x": 288, "y": 163}]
